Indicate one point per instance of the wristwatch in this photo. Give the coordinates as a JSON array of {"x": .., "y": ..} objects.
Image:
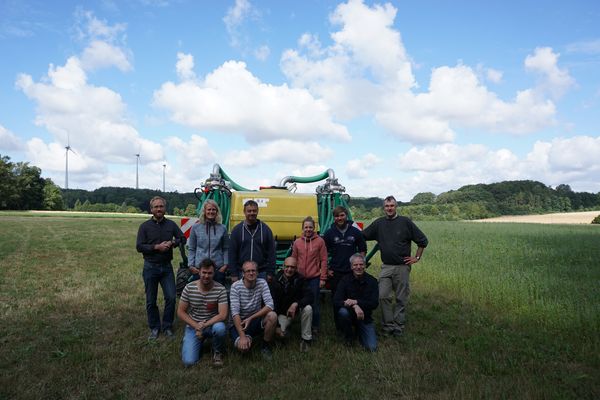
[{"x": 418, "y": 258}]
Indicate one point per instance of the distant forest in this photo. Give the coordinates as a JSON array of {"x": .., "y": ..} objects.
[
  {"x": 487, "y": 200},
  {"x": 23, "y": 188},
  {"x": 468, "y": 202}
]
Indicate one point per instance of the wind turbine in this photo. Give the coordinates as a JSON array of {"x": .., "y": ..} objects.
[
  {"x": 164, "y": 168},
  {"x": 67, "y": 149},
  {"x": 137, "y": 163}
]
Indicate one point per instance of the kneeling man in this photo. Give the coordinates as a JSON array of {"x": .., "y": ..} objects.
[
  {"x": 203, "y": 307},
  {"x": 356, "y": 297},
  {"x": 252, "y": 310},
  {"x": 292, "y": 297}
]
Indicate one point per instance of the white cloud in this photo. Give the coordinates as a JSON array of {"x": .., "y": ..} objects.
[
  {"x": 367, "y": 33},
  {"x": 234, "y": 19},
  {"x": 262, "y": 53},
  {"x": 91, "y": 118},
  {"x": 367, "y": 71},
  {"x": 574, "y": 155},
  {"x": 105, "y": 43},
  {"x": 231, "y": 99},
  {"x": 281, "y": 151},
  {"x": 456, "y": 95},
  {"x": 193, "y": 154},
  {"x": 555, "y": 80},
  {"x": 185, "y": 67},
  {"x": 359, "y": 168},
  {"x": 100, "y": 54},
  {"x": 9, "y": 141},
  {"x": 591, "y": 47},
  {"x": 89, "y": 28},
  {"x": 493, "y": 75},
  {"x": 50, "y": 157},
  {"x": 449, "y": 166}
]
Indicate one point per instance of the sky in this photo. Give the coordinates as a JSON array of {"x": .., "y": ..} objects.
[{"x": 396, "y": 97}]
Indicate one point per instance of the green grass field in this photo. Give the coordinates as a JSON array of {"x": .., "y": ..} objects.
[{"x": 497, "y": 311}]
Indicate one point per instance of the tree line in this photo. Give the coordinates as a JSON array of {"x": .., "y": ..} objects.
[
  {"x": 23, "y": 188},
  {"x": 490, "y": 200}
]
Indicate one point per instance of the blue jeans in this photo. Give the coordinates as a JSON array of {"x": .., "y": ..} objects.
[
  {"x": 191, "y": 345},
  {"x": 365, "y": 331},
  {"x": 155, "y": 274},
  {"x": 313, "y": 286}
]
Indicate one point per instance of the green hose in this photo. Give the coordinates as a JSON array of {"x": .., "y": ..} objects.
[{"x": 308, "y": 179}]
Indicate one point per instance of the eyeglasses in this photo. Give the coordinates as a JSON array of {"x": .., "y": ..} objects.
[{"x": 250, "y": 271}]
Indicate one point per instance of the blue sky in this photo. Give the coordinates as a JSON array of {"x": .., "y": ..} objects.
[{"x": 396, "y": 97}]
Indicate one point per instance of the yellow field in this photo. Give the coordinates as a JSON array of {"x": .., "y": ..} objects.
[{"x": 584, "y": 217}]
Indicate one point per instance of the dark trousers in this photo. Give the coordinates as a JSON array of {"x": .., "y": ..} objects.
[
  {"x": 334, "y": 282},
  {"x": 154, "y": 275}
]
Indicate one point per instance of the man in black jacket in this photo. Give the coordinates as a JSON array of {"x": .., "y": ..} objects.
[
  {"x": 342, "y": 240},
  {"x": 155, "y": 240},
  {"x": 252, "y": 240},
  {"x": 357, "y": 296},
  {"x": 292, "y": 297}
]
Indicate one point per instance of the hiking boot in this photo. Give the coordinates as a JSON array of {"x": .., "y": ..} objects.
[
  {"x": 217, "y": 360},
  {"x": 398, "y": 333},
  {"x": 266, "y": 352},
  {"x": 315, "y": 333},
  {"x": 153, "y": 334},
  {"x": 304, "y": 345},
  {"x": 168, "y": 333}
]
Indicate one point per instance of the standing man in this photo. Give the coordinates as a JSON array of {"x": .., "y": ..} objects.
[
  {"x": 252, "y": 311},
  {"x": 395, "y": 234},
  {"x": 203, "y": 307},
  {"x": 252, "y": 240},
  {"x": 293, "y": 297},
  {"x": 356, "y": 298},
  {"x": 342, "y": 240},
  {"x": 155, "y": 240}
]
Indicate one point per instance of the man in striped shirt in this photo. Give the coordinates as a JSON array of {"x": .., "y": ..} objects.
[
  {"x": 203, "y": 307},
  {"x": 252, "y": 311}
]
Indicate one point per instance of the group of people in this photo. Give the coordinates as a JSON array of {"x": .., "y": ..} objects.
[{"x": 264, "y": 303}]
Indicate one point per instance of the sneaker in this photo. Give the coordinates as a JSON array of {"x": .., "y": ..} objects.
[
  {"x": 217, "y": 359},
  {"x": 398, "y": 333},
  {"x": 304, "y": 346},
  {"x": 266, "y": 352},
  {"x": 153, "y": 334},
  {"x": 315, "y": 333},
  {"x": 169, "y": 334}
]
